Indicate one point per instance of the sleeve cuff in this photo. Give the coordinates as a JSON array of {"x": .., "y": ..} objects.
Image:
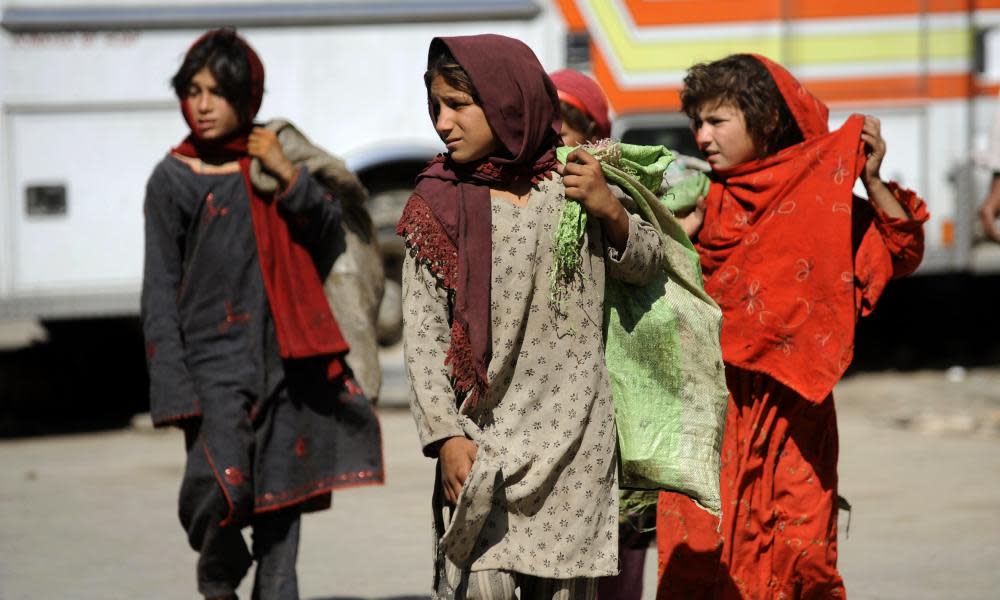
[
  {"x": 624, "y": 256},
  {"x": 911, "y": 203},
  {"x": 293, "y": 185},
  {"x": 433, "y": 447}
]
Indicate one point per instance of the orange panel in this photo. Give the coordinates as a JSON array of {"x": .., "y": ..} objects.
[
  {"x": 687, "y": 12},
  {"x": 661, "y": 99},
  {"x": 820, "y": 9},
  {"x": 842, "y": 90},
  {"x": 936, "y": 6},
  {"x": 950, "y": 86},
  {"x": 892, "y": 88},
  {"x": 985, "y": 4},
  {"x": 902, "y": 90},
  {"x": 948, "y": 232},
  {"x": 571, "y": 14},
  {"x": 987, "y": 89},
  {"x": 949, "y": 5}
]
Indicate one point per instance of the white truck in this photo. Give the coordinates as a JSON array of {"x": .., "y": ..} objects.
[{"x": 86, "y": 109}]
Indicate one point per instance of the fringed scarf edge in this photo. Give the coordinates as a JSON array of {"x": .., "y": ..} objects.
[{"x": 429, "y": 244}]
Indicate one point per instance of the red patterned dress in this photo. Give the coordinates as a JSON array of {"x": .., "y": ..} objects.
[{"x": 793, "y": 259}]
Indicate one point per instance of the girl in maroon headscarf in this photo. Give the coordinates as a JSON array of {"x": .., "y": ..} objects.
[
  {"x": 244, "y": 354},
  {"x": 509, "y": 387},
  {"x": 793, "y": 259}
]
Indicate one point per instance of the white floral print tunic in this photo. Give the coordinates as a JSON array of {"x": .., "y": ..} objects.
[{"x": 542, "y": 496}]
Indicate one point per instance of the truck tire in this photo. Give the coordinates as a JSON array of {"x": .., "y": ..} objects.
[{"x": 389, "y": 187}]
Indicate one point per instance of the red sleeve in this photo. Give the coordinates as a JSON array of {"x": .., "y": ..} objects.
[{"x": 889, "y": 247}]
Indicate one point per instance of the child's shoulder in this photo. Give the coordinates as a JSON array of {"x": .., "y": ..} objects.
[
  {"x": 168, "y": 167},
  {"x": 550, "y": 192},
  {"x": 551, "y": 184}
]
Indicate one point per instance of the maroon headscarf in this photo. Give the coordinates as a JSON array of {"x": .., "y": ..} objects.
[
  {"x": 447, "y": 221},
  {"x": 234, "y": 146},
  {"x": 582, "y": 92},
  {"x": 303, "y": 323}
]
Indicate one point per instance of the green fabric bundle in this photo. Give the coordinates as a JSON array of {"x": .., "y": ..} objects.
[{"x": 661, "y": 340}]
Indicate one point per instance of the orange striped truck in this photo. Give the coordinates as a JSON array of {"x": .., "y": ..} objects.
[
  {"x": 929, "y": 69},
  {"x": 349, "y": 74}
]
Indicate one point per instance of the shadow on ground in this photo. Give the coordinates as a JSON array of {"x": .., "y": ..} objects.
[
  {"x": 931, "y": 322},
  {"x": 91, "y": 374},
  {"x": 383, "y": 598}
]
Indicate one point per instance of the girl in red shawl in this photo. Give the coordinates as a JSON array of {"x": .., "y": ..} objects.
[
  {"x": 244, "y": 354},
  {"x": 793, "y": 258},
  {"x": 509, "y": 387}
]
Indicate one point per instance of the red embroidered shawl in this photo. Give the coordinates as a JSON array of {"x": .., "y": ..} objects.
[{"x": 776, "y": 250}]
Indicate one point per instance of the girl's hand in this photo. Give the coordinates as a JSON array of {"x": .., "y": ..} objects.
[
  {"x": 585, "y": 183},
  {"x": 692, "y": 222},
  {"x": 990, "y": 210},
  {"x": 878, "y": 191},
  {"x": 263, "y": 145},
  {"x": 457, "y": 455},
  {"x": 871, "y": 133}
]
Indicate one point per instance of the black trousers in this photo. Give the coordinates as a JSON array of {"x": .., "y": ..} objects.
[{"x": 224, "y": 558}]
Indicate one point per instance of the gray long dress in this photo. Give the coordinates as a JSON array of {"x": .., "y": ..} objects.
[{"x": 263, "y": 433}]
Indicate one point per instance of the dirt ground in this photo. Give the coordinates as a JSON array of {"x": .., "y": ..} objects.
[
  {"x": 93, "y": 516},
  {"x": 953, "y": 402},
  {"x": 920, "y": 463}
]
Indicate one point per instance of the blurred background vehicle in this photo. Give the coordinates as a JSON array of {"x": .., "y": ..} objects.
[{"x": 86, "y": 111}]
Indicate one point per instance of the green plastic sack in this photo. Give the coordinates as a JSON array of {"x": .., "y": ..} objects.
[{"x": 661, "y": 342}]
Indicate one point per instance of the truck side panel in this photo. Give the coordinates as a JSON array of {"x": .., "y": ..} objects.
[{"x": 93, "y": 243}]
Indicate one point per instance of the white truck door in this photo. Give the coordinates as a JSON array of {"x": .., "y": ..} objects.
[{"x": 82, "y": 254}]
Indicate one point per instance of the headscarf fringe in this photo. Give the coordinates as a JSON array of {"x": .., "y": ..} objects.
[
  {"x": 427, "y": 240},
  {"x": 430, "y": 245},
  {"x": 465, "y": 380}
]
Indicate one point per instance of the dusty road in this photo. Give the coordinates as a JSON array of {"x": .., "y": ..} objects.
[{"x": 92, "y": 516}]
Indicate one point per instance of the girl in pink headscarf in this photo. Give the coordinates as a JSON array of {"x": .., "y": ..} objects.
[{"x": 584, "y": 109}]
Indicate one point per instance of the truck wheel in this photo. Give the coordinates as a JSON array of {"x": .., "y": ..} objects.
[
  {"x": 386, "y": 206},
  {"x": 390, "y": 314},
  {"x": 389, "y": 187}
]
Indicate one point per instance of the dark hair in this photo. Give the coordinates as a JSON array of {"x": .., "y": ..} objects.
[
  {"x": 578, "y": 120},
  {"x": 445, "y": 65},
  {"x": 744, "y": 82},
  {"x": 226, "y": 57}
]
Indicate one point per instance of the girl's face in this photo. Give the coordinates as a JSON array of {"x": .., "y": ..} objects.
[
  {"x": 461, "y": 123},
  {"x": 212, "y": 116},
  {"x": 572, "y": 137},
  {"x": 721, "y": 133}
]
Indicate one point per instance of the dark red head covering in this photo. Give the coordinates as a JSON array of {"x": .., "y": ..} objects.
[
  {"x": 776, "y": 250},
  {"x": 809, "y": 112},
  {"x": 517, "y": 96},
  {"x": 233, "y": 146},
  {"x": 448, "y": 219},
  {"x": 304, "y": 325},
  {"x": 582, "y": 92}
]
